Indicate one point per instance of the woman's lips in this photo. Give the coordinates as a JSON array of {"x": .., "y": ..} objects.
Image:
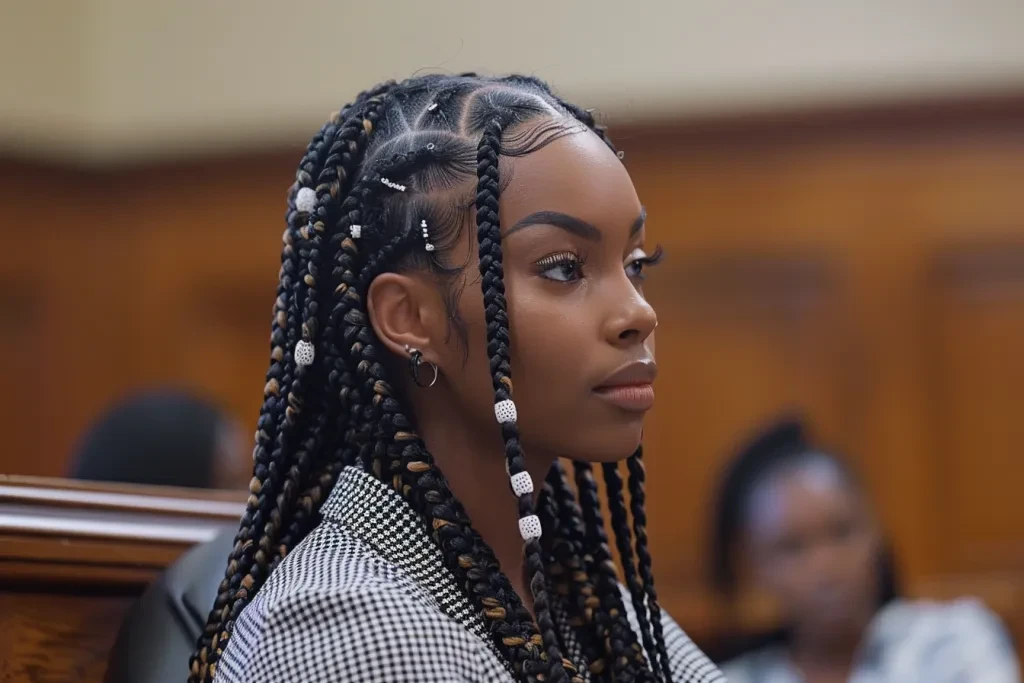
[
  {"x": 632, "y": 397},
  {"x": 631, "y": 387}
]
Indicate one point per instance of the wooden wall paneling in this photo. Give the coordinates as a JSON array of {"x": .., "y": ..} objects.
[
  {"x": 846, "y": 264},
  {"x": 22, "y": 334},
  {"x": 211, "y": 254},
  {"x": 977, "y": 371},
  {"x": 940, "y": 201},
  {"x": 70, "y": 339}
]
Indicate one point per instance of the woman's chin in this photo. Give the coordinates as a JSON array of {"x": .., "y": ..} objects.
[{"x": 610, "y": 445}]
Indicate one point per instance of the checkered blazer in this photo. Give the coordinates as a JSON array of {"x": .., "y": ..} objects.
[{"x": 366, "y": 597}]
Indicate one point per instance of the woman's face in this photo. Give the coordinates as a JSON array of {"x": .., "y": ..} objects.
[
  {"x": 815, "y": 548},
  {"x": 582, "y": 342}
]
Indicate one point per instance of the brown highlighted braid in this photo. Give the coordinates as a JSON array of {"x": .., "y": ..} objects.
[{"x": 428, "y": 134}]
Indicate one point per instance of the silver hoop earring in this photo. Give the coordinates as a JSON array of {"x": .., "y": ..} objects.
[{"x": 415, "y": 363}]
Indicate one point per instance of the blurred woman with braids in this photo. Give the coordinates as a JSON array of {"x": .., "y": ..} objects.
[
  {"x": 804, "y": 525},
  {"x": 444, "y": 234}
]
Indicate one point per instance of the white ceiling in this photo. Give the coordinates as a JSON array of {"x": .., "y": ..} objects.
[{"x": 110, "y": 80}]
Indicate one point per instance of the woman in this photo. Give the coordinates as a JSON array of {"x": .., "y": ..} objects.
[
  {"x": 443, "y": 231},
  {"x": 812, "y": 542}
]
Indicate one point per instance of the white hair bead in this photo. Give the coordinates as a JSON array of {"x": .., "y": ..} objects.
[
  {"x": 505, "y": 411},
  {"x": 522, "y": 483},
  {"x": 529, "y": 527},
  {"x": 304, "y": 353},
  {"x": 356, "y": 231},
  {"x": 393, "y": 185},
  {"x": 305, "y": 200}
]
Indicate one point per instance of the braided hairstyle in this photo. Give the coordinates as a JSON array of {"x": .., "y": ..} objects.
[{"x": 367, "y": 182}]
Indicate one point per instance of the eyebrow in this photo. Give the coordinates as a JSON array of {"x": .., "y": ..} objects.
[
  {"x": 576, "y": 226},
  {"x": 638, "y": 224}
]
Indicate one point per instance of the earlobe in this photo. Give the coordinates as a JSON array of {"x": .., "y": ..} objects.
[{"x": 401, "y": 310}]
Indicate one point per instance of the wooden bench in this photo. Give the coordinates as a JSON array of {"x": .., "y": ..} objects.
[{"x": 73, "y": 557}]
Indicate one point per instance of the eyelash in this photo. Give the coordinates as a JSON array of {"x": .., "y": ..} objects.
[
  {"x": 572, "y": 259},
  {"x": 561, "y": 260},
  {"x": 647, "y": 262}
]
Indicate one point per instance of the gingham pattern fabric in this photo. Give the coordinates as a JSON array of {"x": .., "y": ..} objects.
[{"x": 366, "y": 597}]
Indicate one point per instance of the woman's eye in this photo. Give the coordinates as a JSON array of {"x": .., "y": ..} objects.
[
  {"x": 635, "y": 269},
  {"x": 565, "y": 267},
  {"x": 638, "y": 261}
]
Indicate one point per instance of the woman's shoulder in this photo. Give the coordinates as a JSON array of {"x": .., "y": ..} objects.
[
  {"x": 957, "y": 618},
  {"x": 942, "y": 641},
  {"x": 335, "y": 610},
  {"x": 764, "y": 664}
]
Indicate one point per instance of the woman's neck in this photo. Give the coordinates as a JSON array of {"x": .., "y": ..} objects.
[{"x": 474, "y": 465}]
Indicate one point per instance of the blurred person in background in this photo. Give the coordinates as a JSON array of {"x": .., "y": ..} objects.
[
  {"x": 164, "y": 437},
  {"x": 805, "y": 529}
]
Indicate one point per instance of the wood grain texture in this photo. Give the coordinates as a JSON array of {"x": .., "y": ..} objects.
[
  {"x": 56, "y": 532},
  {"x": 865, "y": 268},
  {"x": 69, "y": 572},
  {"x": 57, "y": 638}
]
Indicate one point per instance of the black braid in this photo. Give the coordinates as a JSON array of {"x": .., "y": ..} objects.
[
  {"x": 341, "y": 161},
  {"x": 621, "y": 641},
  {"x": 402, "y": 461},
  {"x": 570, "y": 563},
  {"x": 250, "y": 562},
  {"x": 342, "y": 411},
  {"x": 496, "y": 312},
  {"x": 265, "y": 475},
  {"x": 637, "y": 498},
  {"x": 623, "y": 541}
]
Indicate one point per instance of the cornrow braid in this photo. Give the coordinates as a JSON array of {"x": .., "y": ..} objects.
[{"x": 637, "y": 498}]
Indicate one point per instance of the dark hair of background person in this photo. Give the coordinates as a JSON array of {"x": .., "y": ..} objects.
[
  {"x": 163, "y": 437},
  {"x": 781, "y": 445}
]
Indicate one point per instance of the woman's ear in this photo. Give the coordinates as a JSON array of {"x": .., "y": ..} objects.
[{"x": 405, "y": 311}]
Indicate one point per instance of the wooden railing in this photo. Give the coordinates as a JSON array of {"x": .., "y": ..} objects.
[{"x": 73, "y": 557}]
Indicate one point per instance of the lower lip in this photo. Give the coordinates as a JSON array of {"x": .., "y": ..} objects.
[{"x": 634, "y": 397}]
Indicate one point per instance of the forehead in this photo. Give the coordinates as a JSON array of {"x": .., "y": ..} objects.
[
  {"x": 576, "y": 174},
  {"x": 793, "y": 499}
]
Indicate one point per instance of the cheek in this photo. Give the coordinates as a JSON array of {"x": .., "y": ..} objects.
[
  {"x": 773, "y": 573},
  {"x": 550, "y": 340},
  {"x": 466, "y": 359},
  {"x": 863, "y": 558}
]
